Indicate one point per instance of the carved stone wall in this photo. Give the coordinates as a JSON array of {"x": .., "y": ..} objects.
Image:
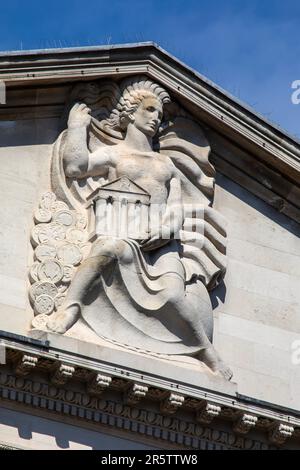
[{"x": 256, "y": 309}]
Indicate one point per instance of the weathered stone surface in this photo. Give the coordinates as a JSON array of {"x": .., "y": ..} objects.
[
  {"x": 187, "y": 370},
  {"x": 256, "y": 310},
  {"x": 99, "y": 384},
  {"x": 157, "y": 244},
  {"x": 26, "y": 364},
  {"x": 208, "y": 413},
  {"x": 135, "y": 393},
  {"x": 62, "y": 374},
  {"x": 172, "y": 403},
  {"x": 245, "y": 423}
]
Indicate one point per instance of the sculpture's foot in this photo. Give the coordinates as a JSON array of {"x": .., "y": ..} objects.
[
  {"x": 62, "y": 321},
  {"x": 211, "y": 358},
  {"x": 224, "y": 371}
]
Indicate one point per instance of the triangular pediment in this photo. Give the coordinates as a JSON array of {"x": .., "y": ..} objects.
[
  {"x": 124, "y": 184},
  {"x": 120, "y": 186},
  {"x": 245, "y": 146}
]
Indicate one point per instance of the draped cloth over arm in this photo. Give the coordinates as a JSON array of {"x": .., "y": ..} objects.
[{"x": 203, "y": 236}]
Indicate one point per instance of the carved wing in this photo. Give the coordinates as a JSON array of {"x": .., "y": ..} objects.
[
  {"x": 203, "y": 236},
  {"x": 101, "y": 97}
]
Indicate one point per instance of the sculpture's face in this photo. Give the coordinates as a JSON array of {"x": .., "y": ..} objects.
[{"x": 148, "y": 116}]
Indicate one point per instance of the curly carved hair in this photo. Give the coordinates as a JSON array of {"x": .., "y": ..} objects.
[{"x": 132, "y": 93}]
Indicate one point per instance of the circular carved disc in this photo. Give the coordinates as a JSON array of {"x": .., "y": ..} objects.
[
  {"x": 75, "y": 235},
  {"x": 44, "y": 304},
  {"x": 42, "y": 215},
  {"x": 58, "y": 206},
  {"x": 59, "y": 300},
  {"x": 34, "y": 277},
  {"x": 47, "y": 199},
  {"x": 45, "y": 251},
  {"x": 52, "y": 232},
  {"x": 68, "y": 273},
  {"x": 64, "y": 217},
  {"x": 69, "y": 254},
  {"x": 35, "y": 233},
  {"x": 40, "y": 322},
  {"x": 51, "y": 270},
  {"x": 43, "y": 288}
]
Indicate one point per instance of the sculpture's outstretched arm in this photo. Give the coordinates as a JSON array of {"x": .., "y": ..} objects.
[{"x": 78, "y": 161}]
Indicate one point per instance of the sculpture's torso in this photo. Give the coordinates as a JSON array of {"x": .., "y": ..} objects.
[{"x": 150, "y": 170}]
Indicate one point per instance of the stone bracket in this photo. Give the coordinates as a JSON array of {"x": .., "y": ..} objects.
[
  {"x": 26, "y": 364},
  {"x": 62, "y": 374},
  {"x": 135, "y": 393},
  {"x": 208, "y": 412},
  {"x": 98, "y": 384},
  {"x": 245, "y": 423},
  {"x": 280, "y": 433},
  {"x": 171, "y": 404},
  {"x": 208, "y": 404}
]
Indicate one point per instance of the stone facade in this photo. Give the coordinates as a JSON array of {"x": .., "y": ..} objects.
[{"x": 61, "y": 385}]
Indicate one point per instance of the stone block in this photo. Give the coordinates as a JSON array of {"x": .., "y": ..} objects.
[
  {"x": 256, "y": 332},
  {"x": 258, "y": 308},
  {"x": 262, "y": 387},
  {"x": 263, "y": 256},
  {"x": 262, "y": 281}
]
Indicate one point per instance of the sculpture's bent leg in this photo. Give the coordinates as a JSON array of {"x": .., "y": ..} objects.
[
  {"x": 198, "y": 296},
  {"x": 190, "y": 315},
  {"x": 104, "y": 252}
]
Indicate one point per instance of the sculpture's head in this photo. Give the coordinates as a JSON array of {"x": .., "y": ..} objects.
[
  {"x": 141, "y": 104},
  {"x": 146, "y": 114}
]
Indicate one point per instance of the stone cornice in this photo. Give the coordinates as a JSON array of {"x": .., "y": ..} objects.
[
  {"x": 62, "y": 371},
  {"x": 41, "y": 396},
  {"x": 113, "y": 417},
  {"x": 276, "y": 152},
  {"x": 95, "y": 62},
  {"x": 4, "y": 446}
]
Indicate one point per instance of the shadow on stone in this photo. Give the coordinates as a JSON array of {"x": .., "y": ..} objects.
[{"x": 218, "y": 295}]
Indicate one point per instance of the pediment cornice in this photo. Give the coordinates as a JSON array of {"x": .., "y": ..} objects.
[{"x": 264, "y": 158}]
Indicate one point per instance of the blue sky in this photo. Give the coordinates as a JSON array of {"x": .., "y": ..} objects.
[{"x": 251, "y": 48}]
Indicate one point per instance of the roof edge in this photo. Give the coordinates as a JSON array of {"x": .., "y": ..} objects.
[{"x": 157, "y": 47}]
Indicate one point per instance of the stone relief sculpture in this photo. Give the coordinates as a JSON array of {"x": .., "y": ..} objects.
[{"x": 127, "y": 240}]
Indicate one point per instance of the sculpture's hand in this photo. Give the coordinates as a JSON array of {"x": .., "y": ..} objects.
[
  {"x": 158, "y": 238},
  {"x": 79, "y": 116}
]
